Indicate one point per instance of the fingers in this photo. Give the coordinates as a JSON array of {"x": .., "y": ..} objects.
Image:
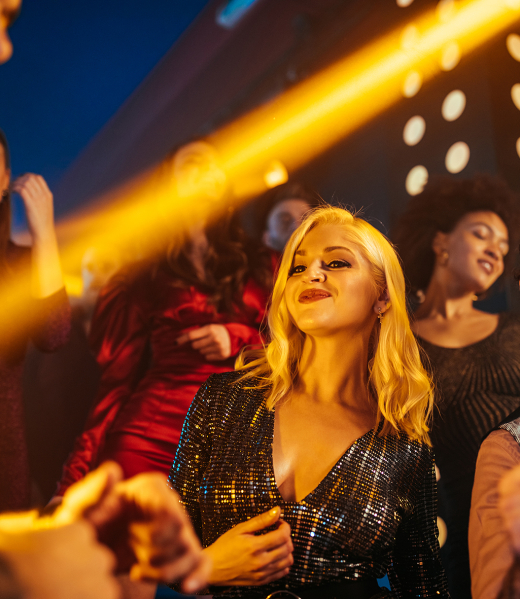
[
  {"x": 260, "y": 522},
  {"x": 277, "y": 539},
  {"x": 194, "y": 335},
  {"x": 82, "y": 497}
]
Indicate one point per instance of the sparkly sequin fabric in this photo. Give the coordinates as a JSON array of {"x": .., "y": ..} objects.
[{"x": 375, "y": 511}]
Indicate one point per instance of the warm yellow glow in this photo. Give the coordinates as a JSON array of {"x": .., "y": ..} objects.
[
  {"x": 275, "y": 174},
  {"x": 73, "y": 285},
  {"x": 446, "y": 10},
  {"x": 143, "y": 216},
  {"x": 450, "y": 56}
]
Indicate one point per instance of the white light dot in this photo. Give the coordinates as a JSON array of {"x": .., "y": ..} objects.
[
  {"x": 515, "y": 94},
  {"x": 412, "y": 84},
  {"x": 403, "y": 3},
  {"x": 457, "y": 157},
  {"x": 409, "y": 37},
  {"x": 453, "y": 105},
  {"x": 275, "y": 174},
  {"x": 513, "y": 45},
  {"x": 450, "y": 56},
  {"x": 518, "y": 147},
  {"x": 445, "y": 10},
  {"x": 416, "y": 180},
  {"x": 414, "y": 130}
]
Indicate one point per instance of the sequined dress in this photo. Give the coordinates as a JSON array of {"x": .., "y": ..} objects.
[{"x": 374, "y": 513}]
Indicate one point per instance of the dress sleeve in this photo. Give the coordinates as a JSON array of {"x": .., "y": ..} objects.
[
  {"x": 119, "y": 338},
  {"x": 192, "y": 457},
  {"x": 51, "y": 321},
  {"x": 417, "y": 570}
]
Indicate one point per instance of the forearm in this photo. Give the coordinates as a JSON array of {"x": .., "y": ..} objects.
[{"x": 46, "y": 275}]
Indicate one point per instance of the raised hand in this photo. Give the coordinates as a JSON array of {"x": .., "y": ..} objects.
[
  {"x": 241, "y": 557},
  {"x": 38, "y": 202}
]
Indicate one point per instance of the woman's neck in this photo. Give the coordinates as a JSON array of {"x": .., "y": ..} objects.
[
  {"x": 334, "y": 369},
  {"x": 445, "y": 301}
]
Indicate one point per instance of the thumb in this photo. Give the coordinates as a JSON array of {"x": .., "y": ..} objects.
[
  {"x": 261, "y": 521},
  {"x": 88, "y": 493}
]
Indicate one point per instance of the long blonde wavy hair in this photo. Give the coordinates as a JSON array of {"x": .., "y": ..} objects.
[{"x": 396, "y": 376}]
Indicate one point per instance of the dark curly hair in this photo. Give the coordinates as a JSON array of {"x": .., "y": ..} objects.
[{"x": 440, "y": 207}]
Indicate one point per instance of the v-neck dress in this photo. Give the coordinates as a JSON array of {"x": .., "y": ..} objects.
[
  {"x": 477, "y": 387},
  {"x": 374, "y": 513}
]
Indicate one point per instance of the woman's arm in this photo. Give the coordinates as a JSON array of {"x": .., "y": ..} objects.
[
  {"x": 417, "y": 569},
  {"x": 46, "y": 276},
  {"x": 240, "y": 556}
]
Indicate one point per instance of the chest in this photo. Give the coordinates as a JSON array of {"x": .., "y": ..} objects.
[
  {"x": 364, "y": 492},
  {"x": 457, "y": 333}
]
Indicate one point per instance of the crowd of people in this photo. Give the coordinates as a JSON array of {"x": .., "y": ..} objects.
[{"x": 294, "y": 411}]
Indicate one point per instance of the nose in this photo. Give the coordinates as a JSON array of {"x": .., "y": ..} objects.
[{"x": 315, "y": 273}]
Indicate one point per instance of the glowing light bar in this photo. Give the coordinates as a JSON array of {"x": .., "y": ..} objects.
[{"x": 317, "y": 113}]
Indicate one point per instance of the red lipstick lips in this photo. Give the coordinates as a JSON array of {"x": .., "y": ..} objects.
[{"x": 312, "y": 295}]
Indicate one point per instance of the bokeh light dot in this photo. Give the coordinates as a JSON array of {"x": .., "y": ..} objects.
[
  {"x": 412, "y": 84},
  {"x": 416, "y": 180},
  {"x": 453, "y": 105},
  {"x": 409, "y": 37},
  {"x": 515, "y": 95},
  {"x": 457, "y": 157},
  {"x": 275, "y": 174},
  {"x": 513, "y": 45},
  {"x": 414, "y": 130},
  {"x": 518, "y": 147},
  {"x": 445, "y": 10},
  {"x": 450, "y": 56},
  {"x": 403, "y": 3}
]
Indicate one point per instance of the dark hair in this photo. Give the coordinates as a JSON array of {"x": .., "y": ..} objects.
[
  {"x": 440, "y": 207},
  {"x": 293, "y": 190},
  {"x": 230, "y": 260},
  {"x": 5, "y": 210}
]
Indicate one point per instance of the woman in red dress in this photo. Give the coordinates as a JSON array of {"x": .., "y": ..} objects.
[{"x": 159, "y": 331}]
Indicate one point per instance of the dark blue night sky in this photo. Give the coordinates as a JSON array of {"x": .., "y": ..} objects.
[{"x": 74, "y": 63}]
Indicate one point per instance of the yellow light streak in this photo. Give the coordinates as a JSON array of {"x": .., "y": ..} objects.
[{"x": 142, "y": 216}]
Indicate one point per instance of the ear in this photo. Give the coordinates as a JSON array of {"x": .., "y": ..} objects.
[
  {"x": 383, "y": 302},
  {"x": 439, "y": 243}
]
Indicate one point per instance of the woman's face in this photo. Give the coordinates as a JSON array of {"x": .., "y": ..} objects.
[
  {"x": 330, "y": 287},
  {"x": 476, "y": 248}
]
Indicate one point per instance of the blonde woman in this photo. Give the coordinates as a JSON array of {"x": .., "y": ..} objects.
[{"x": 308, "y": 472}]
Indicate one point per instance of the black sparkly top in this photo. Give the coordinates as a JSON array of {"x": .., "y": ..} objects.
[
  {"x": 477, "y": 386},
  {"x": 374, "y": 512}
]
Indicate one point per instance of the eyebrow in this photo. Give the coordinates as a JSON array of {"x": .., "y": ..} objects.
[{"x": 326, "y": 250}]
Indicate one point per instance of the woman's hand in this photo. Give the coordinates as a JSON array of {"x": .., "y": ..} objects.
[
  {"x": 46, "y": 269},
  {"x": 38, "y": 202},
  {"x": 242, "y": 558},
  {"x": 212, "y": 341}
]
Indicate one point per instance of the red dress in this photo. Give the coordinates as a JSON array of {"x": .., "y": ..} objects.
[{"x": 148, "y": 381}]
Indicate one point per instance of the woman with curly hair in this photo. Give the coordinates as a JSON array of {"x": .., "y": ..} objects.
[
  {"x": 308, "y": 472},
  {"x": 454, "y": 241}
]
